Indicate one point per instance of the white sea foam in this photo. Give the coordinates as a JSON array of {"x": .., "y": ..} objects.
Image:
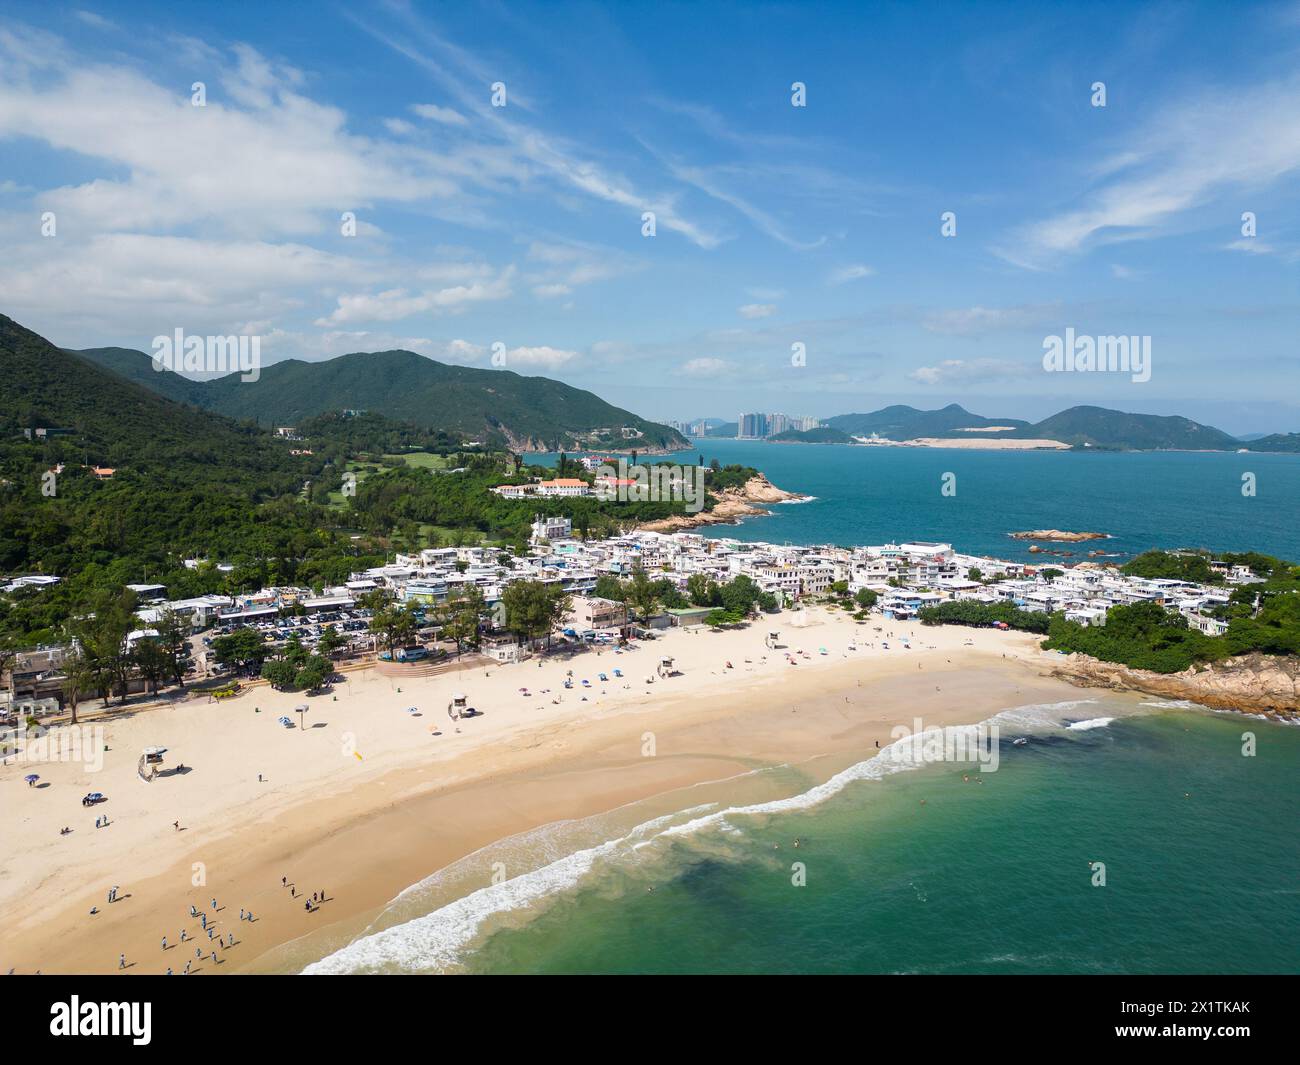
[
  {"x": 1091, "y": 723},
  {"x": 437, "y": 940}
]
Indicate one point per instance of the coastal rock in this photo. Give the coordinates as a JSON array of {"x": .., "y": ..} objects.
[
  {"x": 1254, "y": 683},
  {"x": 1058, "y": 536},
  {"x": 730, "y": 505}
]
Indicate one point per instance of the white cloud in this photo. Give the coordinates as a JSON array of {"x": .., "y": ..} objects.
[
  {"x": 979, "y": 321},
  {"x": 953, "y": 371},
  {"x": 850, "y": 273},
  {"x": 757, "y": 310},
  {"x": 445, "y": 115},
  {"x": 1221, "y": 141},
  {"x": 1251, "y": 245},
  {"x": 395, "y": 304},
  {"x": 544, "y": 357},
  {"x": 260, "y": 159},
  {"x": 707, "y": 367}
]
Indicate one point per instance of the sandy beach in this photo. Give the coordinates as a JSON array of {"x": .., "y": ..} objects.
[{"x": 368, "y": 799}]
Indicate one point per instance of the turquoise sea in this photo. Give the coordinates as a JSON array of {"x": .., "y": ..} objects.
[
  {"x": 873, "y": 495},
  {"x": 936, "y": 868}
]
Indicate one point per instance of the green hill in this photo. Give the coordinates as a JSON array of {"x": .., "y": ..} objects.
[
  {"x": 1276, "y": 442},
  {"x": 527, "y": 413},
  {"x": 1099, "y": 427},
  {"x": 901, "y": 422},
  {"x": 115, "y": 422},
  {"x": 824, "y": 435},
  {"x": 1083, "y": 426}
]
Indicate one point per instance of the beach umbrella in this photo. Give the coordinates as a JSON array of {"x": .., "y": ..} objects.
[
  {"x": 284, "y": 720},
  {"x": 32, "y": 778}
]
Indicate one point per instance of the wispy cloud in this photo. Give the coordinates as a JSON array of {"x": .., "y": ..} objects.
[{"x": 1223, "y": 141}]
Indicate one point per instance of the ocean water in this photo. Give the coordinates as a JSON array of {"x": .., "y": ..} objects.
[
  {"x": 935, "y": 868},
  {"x": 874, "y": 495}
]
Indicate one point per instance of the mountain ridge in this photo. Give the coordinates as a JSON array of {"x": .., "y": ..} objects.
[{"x": 525, "y": 413}]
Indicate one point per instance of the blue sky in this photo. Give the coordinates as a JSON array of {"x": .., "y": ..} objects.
[{"x": 522, "y": 225}]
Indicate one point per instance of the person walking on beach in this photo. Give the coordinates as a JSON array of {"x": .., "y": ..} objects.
[
  {"x": 187, "y": 968},
  {"x": 121, "y": 961},
  {"x": 182, "y": 935},
  {"x": 241, "y": 913},
  {"x": 176, "y": 825},
  {"x": 214, "y": 905},
  {"x": 164, "y": 943}
]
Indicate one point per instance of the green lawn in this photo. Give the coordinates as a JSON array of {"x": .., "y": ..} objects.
[{"x": 421, "y": 458}]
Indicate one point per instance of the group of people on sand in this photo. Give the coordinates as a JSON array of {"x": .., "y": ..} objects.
[
  {"x": 224, "y": 942},
  {"x": 311, "y": 904}
]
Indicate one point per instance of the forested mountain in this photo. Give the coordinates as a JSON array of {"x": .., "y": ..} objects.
[
  {"x": 528, "y": 413},
  {"x": 901, "y": 422},
  {"x": 1099, "y": 427}
]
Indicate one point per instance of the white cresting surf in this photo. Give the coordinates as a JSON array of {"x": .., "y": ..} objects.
[{"x": 437, "y": 941}]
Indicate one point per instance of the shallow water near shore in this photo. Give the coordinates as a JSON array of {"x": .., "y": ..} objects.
[{"x": 939, "y": 869}]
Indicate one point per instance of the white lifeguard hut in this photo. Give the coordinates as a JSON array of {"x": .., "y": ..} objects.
[
  {"x": 150, "y": 759},
  {"x": 459, "y": 706},
  {"x": 771, "y": 639},
  {"x": 665, "y": 668}
]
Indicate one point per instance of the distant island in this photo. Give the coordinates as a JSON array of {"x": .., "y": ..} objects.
[
  {"x": 824, "y": 435},
  {"x": 1082, "y": 428},
  {"x": 1059, "y": 536}
]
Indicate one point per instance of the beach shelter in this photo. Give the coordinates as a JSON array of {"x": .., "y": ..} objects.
[{"x": 459, "y": 705}]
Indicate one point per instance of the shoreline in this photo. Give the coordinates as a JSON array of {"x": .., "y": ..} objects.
[{"x": 365, "y": 829}]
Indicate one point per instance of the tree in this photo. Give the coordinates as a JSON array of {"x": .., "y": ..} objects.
[
  {"x": 243, "y": 649},
  {"x": 974, "y": 574},
  {"x": 701, "y": 590},
  {"x": 534, "y": 608},
  {"x": 866, "y": 598},
  {"x": 330, "y": 641},
  {"x": 294, "y": 651},
  {"x": 79, "y": 678},
  {"x": 720, "y": 618},
  {"x": 1050, "y": 574},
  {"x": 173, "y": 640},
  {"x": 642, "y": 595},
  {"x": 461, "y": 615},
  {"x": 152, "y": 661},
  {"x": 314, "y": 673},
  {"x": 280, "y": 672},
  {"x": 739, "y": 595},
  {"x": 8, "y": 655},
  {"x": 102, "y": 632},
  {"x": 394, "y": 624}
]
